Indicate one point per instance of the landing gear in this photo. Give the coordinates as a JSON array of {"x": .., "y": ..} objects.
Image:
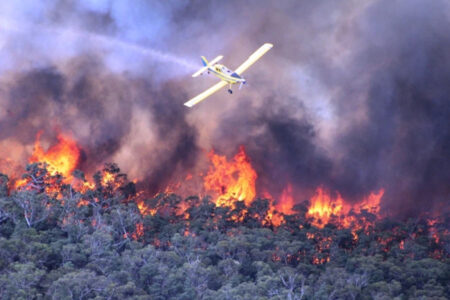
[{"x": 230, "y": 91}]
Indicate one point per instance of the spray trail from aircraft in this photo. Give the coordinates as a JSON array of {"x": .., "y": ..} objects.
[
  {"x": 164, "y": 57},
  {"x": 103, "y": 40}
]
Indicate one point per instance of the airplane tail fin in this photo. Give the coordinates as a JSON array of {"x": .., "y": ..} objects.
[
  {"x": 204, "y": 61},
  {"x": 206, "y": 65}
]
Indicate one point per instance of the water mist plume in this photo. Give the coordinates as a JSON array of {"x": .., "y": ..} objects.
[{"x": 99, "y": 39}]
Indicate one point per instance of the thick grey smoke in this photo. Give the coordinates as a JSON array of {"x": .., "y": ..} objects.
[
  {"x": 385, "y": 71},
  {"x": 354, "y": 95},
  {"x": 401, "y": 73},
  {"x": 101, "y": 111}
]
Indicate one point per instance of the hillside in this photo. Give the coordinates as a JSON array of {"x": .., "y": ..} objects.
[{"x": 73, "y": 241}]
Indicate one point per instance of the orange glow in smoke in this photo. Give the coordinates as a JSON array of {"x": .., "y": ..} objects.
[{"x": 286, "y": 202}]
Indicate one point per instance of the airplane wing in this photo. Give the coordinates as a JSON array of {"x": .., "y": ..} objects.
[
  {"x": 206, "y": 94},
  {"x": 253, "y": 58}
]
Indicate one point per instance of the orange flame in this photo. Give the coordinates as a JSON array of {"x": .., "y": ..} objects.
[
  {"x": 62, "y": 157},
  {"x": 324, "y": 206},
  {"x": 286, "y": 202},
  {"x": 284, "y": 206},
  {"x": 139, "y": 232},
  {"x": 145, "y": 210},
  {"x": 231, "y": 181}
]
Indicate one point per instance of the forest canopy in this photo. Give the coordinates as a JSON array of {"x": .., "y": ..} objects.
[{"x": 104, "y": 240}]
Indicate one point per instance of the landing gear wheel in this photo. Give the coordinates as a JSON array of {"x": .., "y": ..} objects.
[{"x": 230, "y": 91}]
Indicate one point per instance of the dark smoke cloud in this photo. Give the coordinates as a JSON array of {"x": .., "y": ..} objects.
[
  {"x": 80, "y": 101},
  {"x": 177, "y": 148},
  {"x": 401, "y": 143},
  {"x": 354, "y": 95},
  {"x": 281, "y": 146},
  {"x": 390, "y": 84},
  {"x": 96, "y": 108}
]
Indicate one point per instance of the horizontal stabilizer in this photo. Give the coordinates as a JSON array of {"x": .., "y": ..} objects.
[{"x": 205, "y": 68}]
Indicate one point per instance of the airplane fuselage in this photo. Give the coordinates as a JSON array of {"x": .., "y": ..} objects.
[{"x": 226, "y": 74}]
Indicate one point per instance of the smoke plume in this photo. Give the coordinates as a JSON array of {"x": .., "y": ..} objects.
[{"x": 353, "y": 96}]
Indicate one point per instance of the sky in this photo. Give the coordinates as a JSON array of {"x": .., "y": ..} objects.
[{"x": 353, "y": 96}]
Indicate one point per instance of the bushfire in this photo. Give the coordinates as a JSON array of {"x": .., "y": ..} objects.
[
  {"x": 232, "y": 183},
  {"x": 62, "y": 157}
]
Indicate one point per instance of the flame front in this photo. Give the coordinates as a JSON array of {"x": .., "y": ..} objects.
[
  {"x": 231, "y": 181},
  {"x": 324, "y": 206},
  {"x": 63, "y": 157}
]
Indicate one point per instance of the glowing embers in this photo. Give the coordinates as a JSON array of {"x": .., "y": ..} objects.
[
  {"x": 144, "y": 209},
  {"x": 138, "y": 233},
  {"x": 62, "y": 157},
  {"x": 231, "y": 180}
]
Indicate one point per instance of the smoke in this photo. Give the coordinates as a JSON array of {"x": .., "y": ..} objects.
[
  {"x": 354, "y": 95},
  {"x": 374, "y": 116},
  {"x": 401, "y": 140}
]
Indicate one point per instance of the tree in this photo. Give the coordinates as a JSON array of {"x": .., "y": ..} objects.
[
  {"x": 293, "y": 282},
  {"x": 21, "y": 281},
  {"x": 74, "y": 217},
  {"x": 196, "y": 278},
  {"x": 5, "y": 208},
  {"x": 78, "y": 285},
  {"x": 36, "y": 207},
  {"x": 3, "y": 185}
]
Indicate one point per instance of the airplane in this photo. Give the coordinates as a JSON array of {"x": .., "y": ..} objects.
[{"x": 227, "y": 76}]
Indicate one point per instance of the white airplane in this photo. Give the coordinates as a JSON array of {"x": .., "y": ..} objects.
[{"x": 226, "y": 75}]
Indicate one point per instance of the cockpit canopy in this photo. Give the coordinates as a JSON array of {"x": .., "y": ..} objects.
[
  {"x": 222, "y": 69},
  {"x": 218, "y": 67}
]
